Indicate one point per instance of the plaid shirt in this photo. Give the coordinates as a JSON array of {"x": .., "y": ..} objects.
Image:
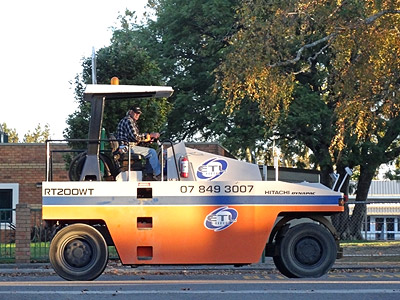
[{"x": 128, "y": 132}]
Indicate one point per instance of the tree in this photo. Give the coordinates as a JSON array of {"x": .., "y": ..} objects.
[
  {"x": 11, "y": 133},
  {"x": 366, "y": 84},
  {"x": 190, "y": 36},
  {"x": 394, "y": 174},
  {"x": 188, "y": 40},
  {"x": 132, "y": 65},
  {"x": 326, "y": 76},
  {"x": 39, "y": 135}
]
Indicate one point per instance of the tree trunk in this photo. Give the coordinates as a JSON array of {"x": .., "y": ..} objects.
[
  {"x": 341, "y": 220},
  {"x": 325, "y": 177},
  {"x": 360, "y": 209}
]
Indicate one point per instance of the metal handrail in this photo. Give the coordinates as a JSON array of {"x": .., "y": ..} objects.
[{"x": 48, "y": 151}]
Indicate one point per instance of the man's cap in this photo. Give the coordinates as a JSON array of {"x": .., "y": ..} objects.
[{"x": 136, "y": 109}]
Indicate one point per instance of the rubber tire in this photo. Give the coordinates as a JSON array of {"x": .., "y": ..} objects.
[
  {"x": 281, "y": 267},
  {"x": 76, "y": 166},
  {"x": 306, "y": 250},
  {"x": 89, "y": 247}
]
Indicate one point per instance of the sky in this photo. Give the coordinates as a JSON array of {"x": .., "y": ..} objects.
[{"x": 42, "y": 46}]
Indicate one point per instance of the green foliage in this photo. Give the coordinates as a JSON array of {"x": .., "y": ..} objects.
[
  {"x": 182, "y": 46},
  {"x": 242, "y": 132},
  {"x": 394, "y": 174},
  {"x": 309, "y": 122},
  {"x": 132, "y": 65},
  {"x": 189, "y": 39},
  {"x": 324, "y": 74},
  {"x": 321, "y": 75}
]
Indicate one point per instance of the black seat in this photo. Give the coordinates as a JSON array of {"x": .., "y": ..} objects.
[
  {"x": 136, "y": 162},
  {"x": 121, "y": 159}
]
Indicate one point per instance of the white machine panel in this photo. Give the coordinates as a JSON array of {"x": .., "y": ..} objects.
[{"x": 204, "y": 166}]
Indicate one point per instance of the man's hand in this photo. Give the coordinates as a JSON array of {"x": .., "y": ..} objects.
[
  {"x": 151, "y": 136},
  {"x": 147, "y": 138},
  {"x": 154, "y": 135}
]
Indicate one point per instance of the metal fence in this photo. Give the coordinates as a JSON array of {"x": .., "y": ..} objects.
[
  {"x": 7, "y": 235},
  {"x": 39, "y": 238},
  {"x": 377, "y": 221}
]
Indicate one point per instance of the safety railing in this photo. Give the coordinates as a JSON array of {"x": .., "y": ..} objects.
[{"x": 73, "y": 159}]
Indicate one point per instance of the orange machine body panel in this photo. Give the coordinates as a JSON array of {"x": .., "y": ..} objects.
[{"x": 186, "y": 222}]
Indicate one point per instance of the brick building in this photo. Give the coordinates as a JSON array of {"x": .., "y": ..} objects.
[{"x": 22, "y": 169}]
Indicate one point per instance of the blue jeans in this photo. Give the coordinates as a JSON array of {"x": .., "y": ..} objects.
[{"x": 151, "y": 155}]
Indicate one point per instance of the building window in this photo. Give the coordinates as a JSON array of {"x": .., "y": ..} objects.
[
  {"x": 389, "y": 224},
  {"x": 6, "y": 205},
  {"x": 381, "y": 228},
  {"x": 368, "y": 223},
  {"x": 379, "y": 224},
  {"x": 9, "y": 197}
]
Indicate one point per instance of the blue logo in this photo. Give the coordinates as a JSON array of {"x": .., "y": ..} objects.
[
  {"x": 212, "y": 168},
  {"x": 221, "y": 218}
]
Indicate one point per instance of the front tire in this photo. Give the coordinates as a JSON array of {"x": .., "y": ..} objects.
[
  {"x": 78, "y": 252},
  {"x": 306, "y": 250}
]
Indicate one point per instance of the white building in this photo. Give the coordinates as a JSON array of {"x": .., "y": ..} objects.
[{"x": 383, "y": 211}]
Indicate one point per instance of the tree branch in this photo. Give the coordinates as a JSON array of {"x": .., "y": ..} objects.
[
  {"x": 300, "y": 51},
  {"x": 328, "y": 38},
  {"x": 376, "y": 16}
]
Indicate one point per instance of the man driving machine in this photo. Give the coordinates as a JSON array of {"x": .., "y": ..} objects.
[{"x": 128, "y": 132}]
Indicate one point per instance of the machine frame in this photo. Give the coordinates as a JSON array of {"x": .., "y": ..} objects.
[{"x": 221, "y": 213}]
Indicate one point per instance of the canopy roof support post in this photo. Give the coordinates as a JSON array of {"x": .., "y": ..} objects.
[{"x": 91, "y": 167}]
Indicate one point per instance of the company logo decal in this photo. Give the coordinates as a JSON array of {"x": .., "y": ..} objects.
[
  {"x": 221, "y": 218},
  {"x": 212, "y": 168}
]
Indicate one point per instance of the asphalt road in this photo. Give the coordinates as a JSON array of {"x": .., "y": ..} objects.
[{"x": 203, "y": 283}]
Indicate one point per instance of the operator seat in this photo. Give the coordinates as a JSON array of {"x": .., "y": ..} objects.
[{"x": 121, "y": 159}]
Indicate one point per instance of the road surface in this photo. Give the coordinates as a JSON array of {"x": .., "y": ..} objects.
[{"x": 205, "y": 284}]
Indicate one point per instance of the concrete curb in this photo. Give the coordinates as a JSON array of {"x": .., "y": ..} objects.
[{"x": 117, "y": 269}]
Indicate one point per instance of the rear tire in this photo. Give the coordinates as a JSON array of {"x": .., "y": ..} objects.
[
  {"x": 76, "y": 167},
  {"x": 306, "y": 250},
  {"x": 78, "y": 252}
]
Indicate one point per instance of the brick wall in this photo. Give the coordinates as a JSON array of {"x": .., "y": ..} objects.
[
  {"x": 26, "y": 164},
  {"x": 23, "y": 234}
]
